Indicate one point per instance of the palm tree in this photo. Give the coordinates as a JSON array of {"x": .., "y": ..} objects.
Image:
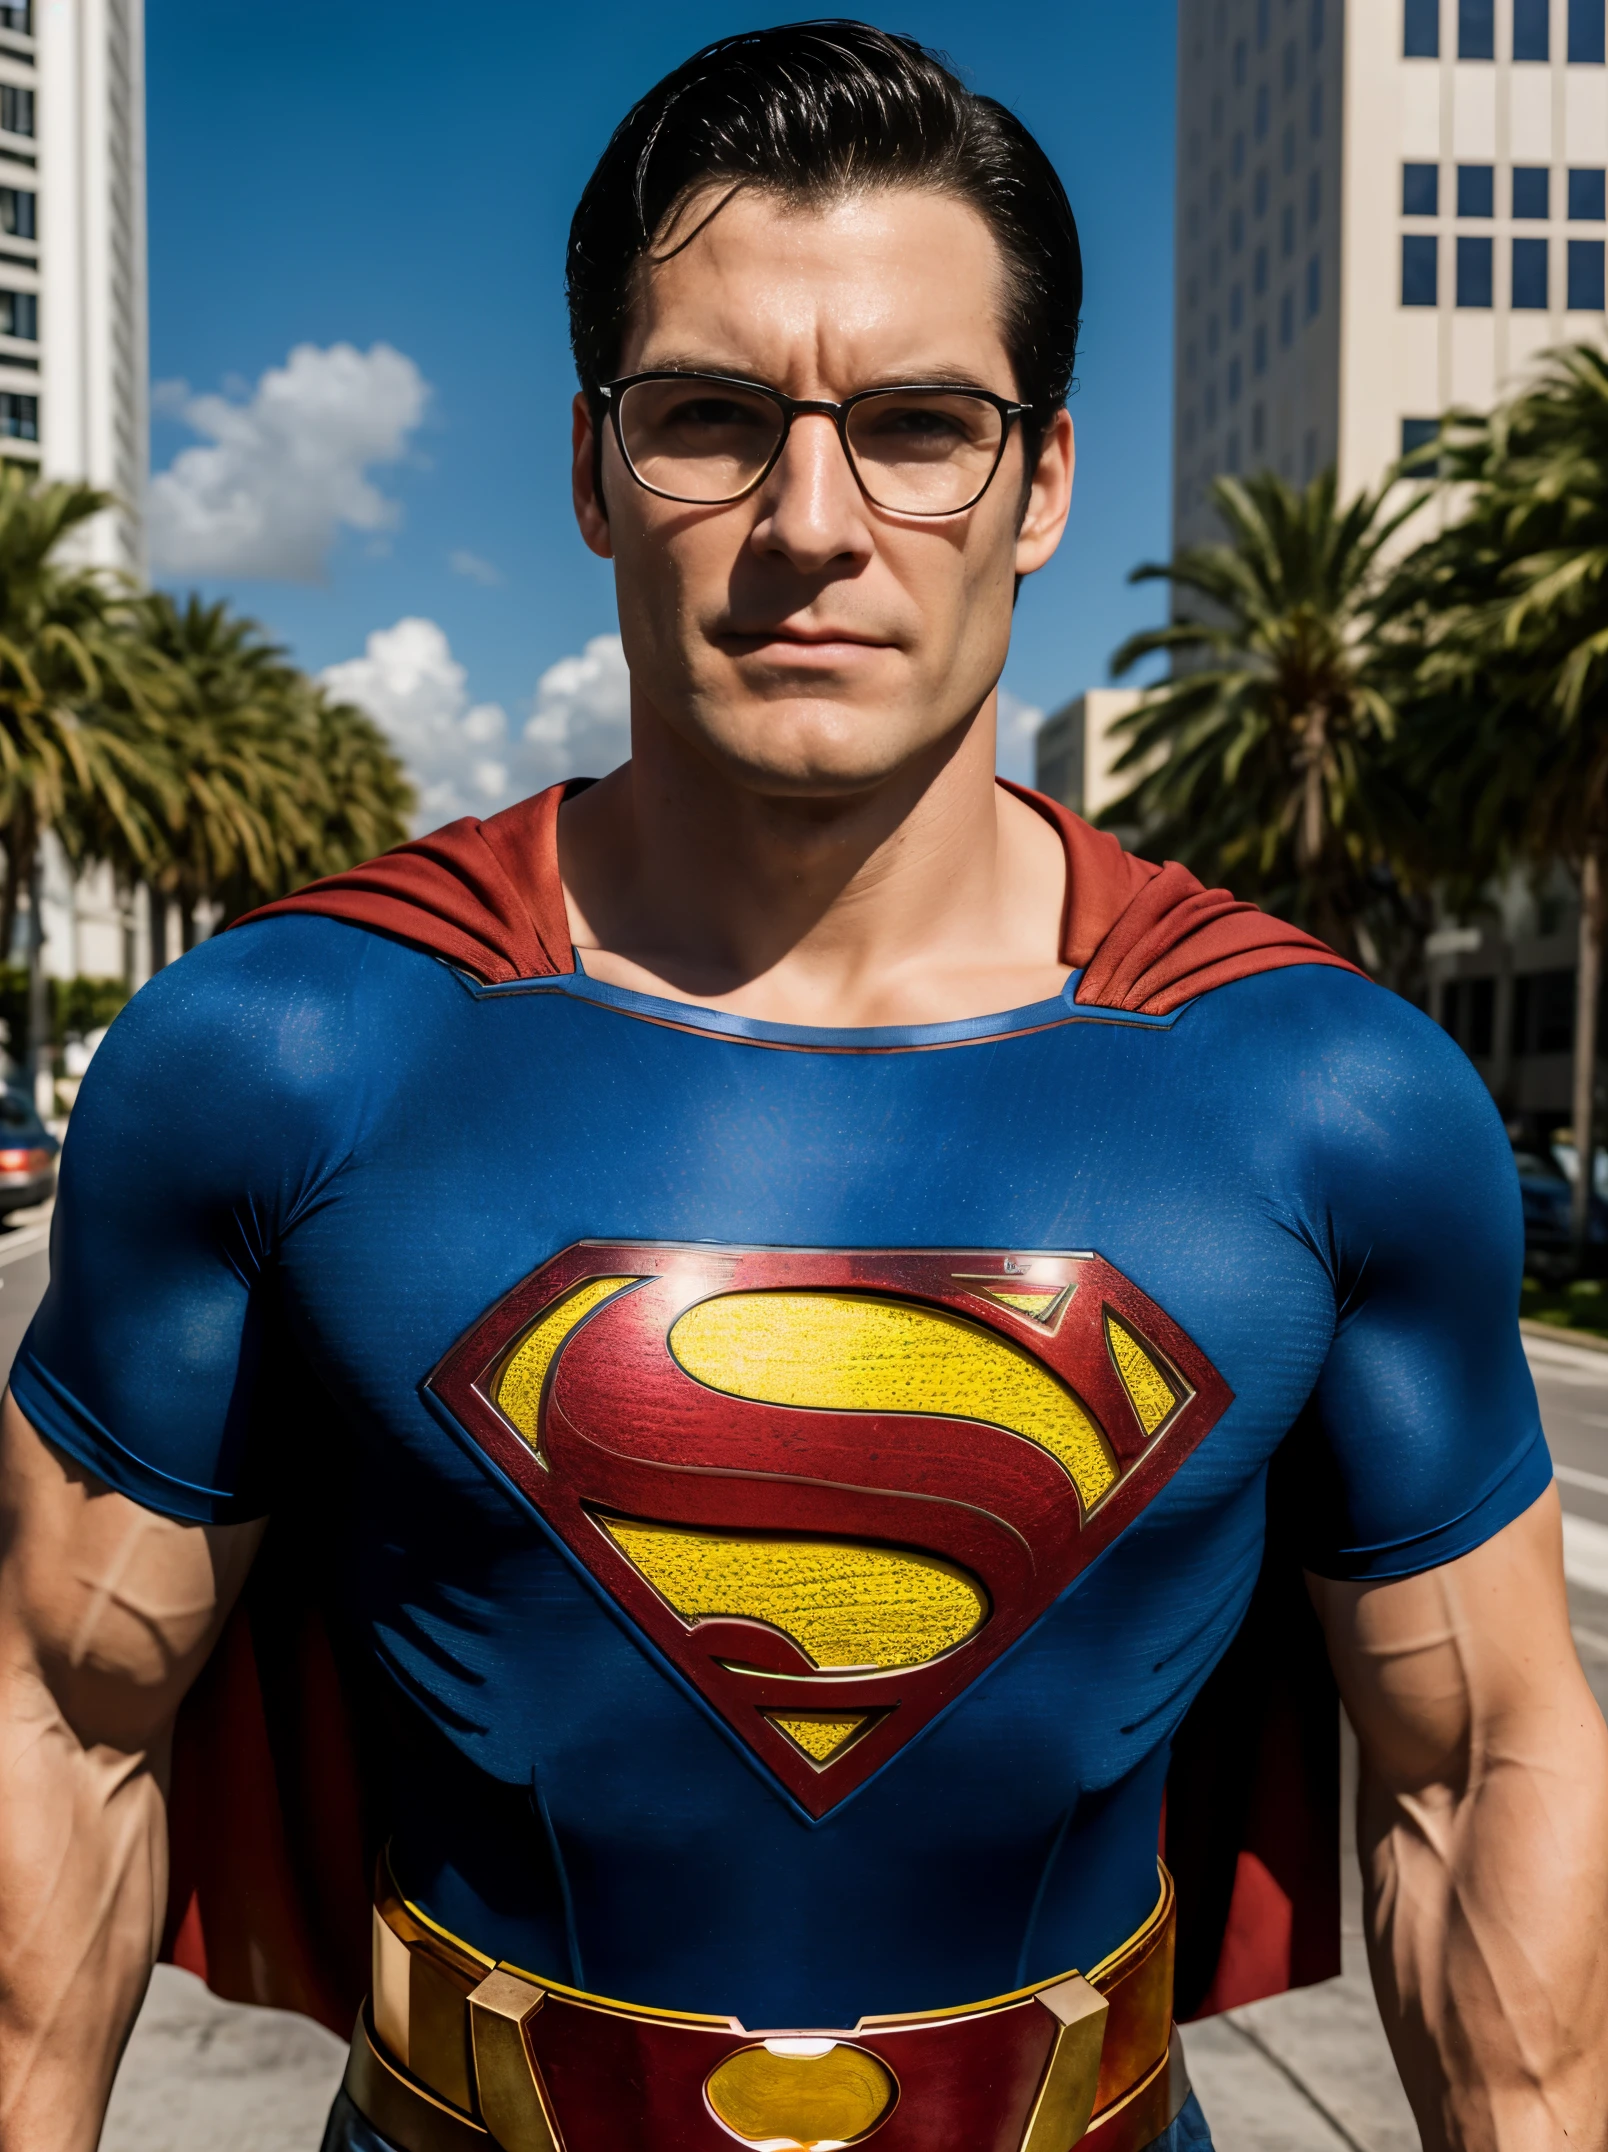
[
  {"x": 67, "y": 659},
  {"x": 1512, "y": 719},
  {"x": 1260, "y": 762}
]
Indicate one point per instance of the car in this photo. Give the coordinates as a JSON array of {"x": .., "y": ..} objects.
[
  {"x": 27, "y": 1154},
  {"x": 1547, "y": 1193}
]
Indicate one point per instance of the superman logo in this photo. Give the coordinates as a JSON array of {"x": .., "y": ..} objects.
[{"x": 831, "y": 1486}]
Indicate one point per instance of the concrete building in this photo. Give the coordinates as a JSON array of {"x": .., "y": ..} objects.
[
  {"x": 1385, "y": 208},
  {"x": 1075, "y": 749},
  {"x": 73, "y": 333}
]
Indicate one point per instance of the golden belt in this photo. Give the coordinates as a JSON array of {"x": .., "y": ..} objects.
[{"x": 456, "y": 2053}]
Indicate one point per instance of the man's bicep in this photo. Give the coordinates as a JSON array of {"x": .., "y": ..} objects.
[
  {"x": 1430, "y": 1664},
  {"x": 114, "y": 1606}
]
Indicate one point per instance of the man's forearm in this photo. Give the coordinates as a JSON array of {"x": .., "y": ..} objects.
[
  {"x": 1487, "y": 1910},
  {"x": 83, "y": 1886}
]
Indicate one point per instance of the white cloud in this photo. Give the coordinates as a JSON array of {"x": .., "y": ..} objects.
[
  {"x": 459, "y": 752},
  {"x": 286, "y": 466},
  {"x": 581, "y": 724},
  {"x": 476, "y": 569}
]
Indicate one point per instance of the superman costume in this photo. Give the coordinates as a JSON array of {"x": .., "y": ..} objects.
[{"x": 775, "y": 1494}]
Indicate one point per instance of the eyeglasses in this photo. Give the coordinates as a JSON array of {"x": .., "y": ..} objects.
[{"x": 921, "y": 450}]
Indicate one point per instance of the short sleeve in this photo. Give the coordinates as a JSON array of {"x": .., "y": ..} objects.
[
  {"x": 210, "y": 1117},
  {"x": 1424, "y": 1438}
]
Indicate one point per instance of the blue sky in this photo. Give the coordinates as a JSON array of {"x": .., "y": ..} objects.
[{"x": 402, "y": 175}]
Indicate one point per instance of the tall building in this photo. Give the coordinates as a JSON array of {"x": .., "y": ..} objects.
[
  {"x": 1385, "y": 208},
  {"x": 73, "y": 333}
]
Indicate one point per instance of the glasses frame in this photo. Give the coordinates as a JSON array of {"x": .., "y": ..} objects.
[{"x": 792, "y": 407}]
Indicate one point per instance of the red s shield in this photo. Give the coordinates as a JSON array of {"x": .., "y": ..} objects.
[{"x": 832, "y": 1486}]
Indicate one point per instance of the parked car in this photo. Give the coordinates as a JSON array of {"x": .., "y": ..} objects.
[
  {"x": 1546, "y": 1192},
  {"x": 27, "y": 1154}
]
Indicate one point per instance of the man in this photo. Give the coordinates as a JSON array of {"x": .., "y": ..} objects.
[{"x": 782, "y": 1442}]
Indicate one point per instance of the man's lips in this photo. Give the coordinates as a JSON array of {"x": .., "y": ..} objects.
[{"x": 824, "y": 640}]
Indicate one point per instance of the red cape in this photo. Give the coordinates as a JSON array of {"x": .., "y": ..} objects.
[{"x": 273, "y": 1845}]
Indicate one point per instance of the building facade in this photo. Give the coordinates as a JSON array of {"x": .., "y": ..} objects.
[
  {"x": 1386, "y": 209},
  {"x": 74, "y": 389}
]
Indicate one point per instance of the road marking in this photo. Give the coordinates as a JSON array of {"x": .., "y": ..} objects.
[
  {"x": 1585, "y": 1553},
  {"x": 28, "y": 1240},
  {"x": 1572, "y": 1476}
]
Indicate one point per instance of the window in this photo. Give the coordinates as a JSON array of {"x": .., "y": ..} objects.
[
  {"x": 17, "y": 212},
  {"x": 1258, "y": 429},
  {"x": 1264, "y": 23},
  {"x": 1189, "y": 428},
  {"x": 1237, "y": 156},
  {"x": 1236, "y": 230},
  {"x": 1417, "y": 433},
  {"x": 1585, "y": 32},
  {"x": 1217, "y": 119},
  {"x": 1211, "y": 403},
  {"x": 1315, "y": 111},
  {"x": 1292, "y": 67},
  {"x": 1586, "y": 197},
  {"x": 1259, "y": 349},
  {"x": 1421, "y": 30},
  {"x": 1191, "y": 361},
  {"x": 1314, "y": 285},
  {"x": 1476, "y": 29},
  {"x": 1585, "y": 276},
  {"x": 1233, "y": 457},
  {"x": 19, "y": 416},
  {"x": 1530, "y": 275},
  {"x": 1263, "y": 111},
  {"x": 1543, "y": 1012},
  {"x": 1214, "y": 266},
  {"x": 1420, "y": 190},
  {"x": 1234, "y": 380},
  {"x": 1236, "y": 306},
  {"x": 1287, "y": 229},
  {"x": 1468, "y": 1014},
  {"x": 16, "y": 109},
  {"x": 1530, "y": 39},
  {"x": 1315, "y": 23},
  {"x": 1473, "y": 271},
  {"x": 17, "y": 18},
  {"x": 1241, "y": 62},
  {"x": 1530, "y": 190},
  {"x": 1289, "y": 150},
  {"x": 19, "y": 315},
  {"x": 1211, "y": 337},
  {"x": 1476, "y": 190},
  {"x": 1418, "y": 266},
  {"x": 1314, "y": 197},
  {"x": 1287, "y": 318},
  {"x": 1214, "y": 191},
  {"x": 1259, "y": 192},
  {"x": 1259, "y": 272}
]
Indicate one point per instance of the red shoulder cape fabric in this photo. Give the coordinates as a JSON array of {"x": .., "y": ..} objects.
[{"x": 272, "y": 1843}]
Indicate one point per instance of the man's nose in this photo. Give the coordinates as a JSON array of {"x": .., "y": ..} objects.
[{"x": 811, "y": 509}]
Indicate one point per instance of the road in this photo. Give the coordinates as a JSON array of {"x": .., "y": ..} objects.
[{"x": 1308, "y": 2072}]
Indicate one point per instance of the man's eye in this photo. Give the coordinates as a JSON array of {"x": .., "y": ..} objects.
[
  {"x": 715, "y": 412},
  {"x": 918, "y": 422}
]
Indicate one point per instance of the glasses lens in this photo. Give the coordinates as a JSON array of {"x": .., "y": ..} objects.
[
  {"x": 698, "y": 440},
  {"x": 925, "y": 452}
]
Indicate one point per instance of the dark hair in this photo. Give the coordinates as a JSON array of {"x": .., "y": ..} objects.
[{"x": 809, "y": 111}]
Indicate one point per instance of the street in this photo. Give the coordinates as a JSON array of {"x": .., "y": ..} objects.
[{"x": 1308, "y": 2072}]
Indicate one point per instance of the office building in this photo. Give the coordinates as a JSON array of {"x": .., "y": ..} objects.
[
  {"x": 1386, "y": 208},
  {"x": 73, "y": 334}
]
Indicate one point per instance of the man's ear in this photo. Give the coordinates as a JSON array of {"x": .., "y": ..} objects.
[
  {"x": 1049, "y": 496},
  {"x": 585, "y": 468}
]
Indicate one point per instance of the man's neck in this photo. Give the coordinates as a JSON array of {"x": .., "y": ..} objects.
[{"x": 930, "y": 897}]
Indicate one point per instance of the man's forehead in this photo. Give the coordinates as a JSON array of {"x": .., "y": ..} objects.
[{"x": 883, "y": 284}]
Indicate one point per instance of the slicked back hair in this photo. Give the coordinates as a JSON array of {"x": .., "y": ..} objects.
[{"x": 808, "y": 113}]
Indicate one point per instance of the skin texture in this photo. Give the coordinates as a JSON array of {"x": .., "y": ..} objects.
[
  {"x": 106, "y": 1616},
  {"x": 809, "y": 832},
  {"x": 1482, "y": 1824}
]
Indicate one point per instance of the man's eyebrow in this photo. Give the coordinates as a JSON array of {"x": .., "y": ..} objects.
[{"x": 941, "y": 374}]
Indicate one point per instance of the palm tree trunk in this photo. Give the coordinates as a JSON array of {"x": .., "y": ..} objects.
[
  {"x": 41, "y": 1046},
  {"x": 1312, "y": 742},
  {"x": 10, "y": 899},
  {"x": 1588, "y": 977}
]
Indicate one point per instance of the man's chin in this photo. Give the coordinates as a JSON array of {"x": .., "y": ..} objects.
[{"x": 827, "y": 757}]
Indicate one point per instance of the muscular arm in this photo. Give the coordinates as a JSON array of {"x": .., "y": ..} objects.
[
  {"x": 107, "y": 1612},
  {"x": 1483, "y": 1829}
]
